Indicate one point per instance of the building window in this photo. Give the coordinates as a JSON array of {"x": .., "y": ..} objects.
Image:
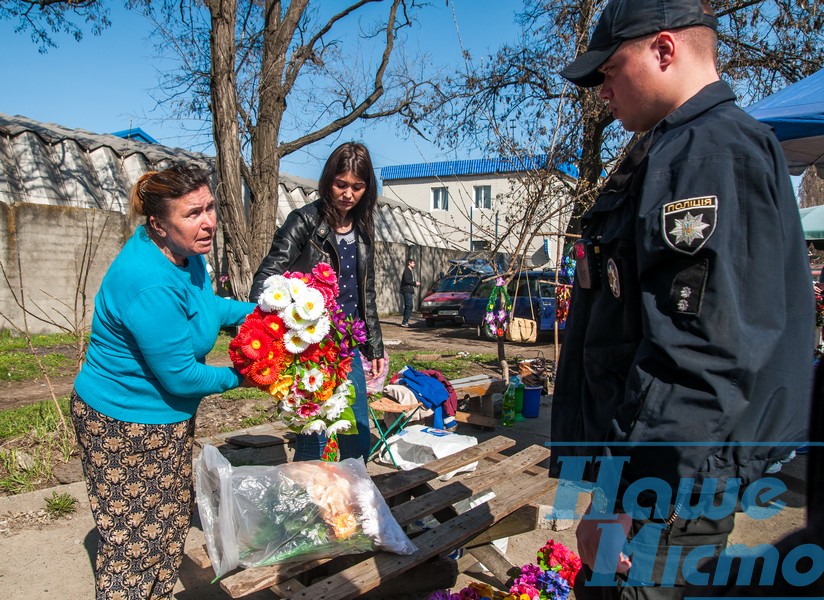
[
  {"x": 440, "y": 198},
  {"x": 483, "y": 196}
]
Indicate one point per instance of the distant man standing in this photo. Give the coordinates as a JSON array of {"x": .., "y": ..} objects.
[
  {"x": 678, "y": 365},
  {"x": 408, "y": 285}
]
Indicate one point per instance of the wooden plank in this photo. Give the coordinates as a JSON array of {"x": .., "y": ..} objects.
[
  {"x": 249, "y": 440},
  {"x": 494, "y": 560},
  {"x": 521, "y": 521},
  {"x": 401, "y": 481},
  {"x": 255, "y": 579},
  {"x": 369, "y": 574},
  {"x": 432, "y": 575},
  {"x": 468, "y": 485},
  {"x": 479, "y": 388},
  {"x": 473, "y": 418},
  {"x": 287, "y": 588},
  {"x": 200, "y": 556}
]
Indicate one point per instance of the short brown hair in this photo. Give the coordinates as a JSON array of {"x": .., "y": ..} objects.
[{"x": 151, "y": 195}]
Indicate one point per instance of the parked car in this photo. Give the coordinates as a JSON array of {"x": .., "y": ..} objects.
[
  {"x": 533, "y": 296},
  {"x": 444, "y": 303},
  {"x": 462, "y": 268}
]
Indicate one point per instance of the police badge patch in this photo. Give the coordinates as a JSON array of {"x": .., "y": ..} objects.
[{"x": 687, "y": 224}]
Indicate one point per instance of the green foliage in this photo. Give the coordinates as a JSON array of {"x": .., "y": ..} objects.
[
  {"x": 40, "y": 417},
  {"x": 18, "y": 364},
  {"x": 61, "y": 505},
  {"x": 9, "y": 341},
  {"x": 245, "y": 393},
  {"x": 451, "y": 366},
  {"x": 262, "y": 415}
]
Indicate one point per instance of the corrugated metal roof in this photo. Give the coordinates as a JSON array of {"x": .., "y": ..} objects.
[
  {"x": 481, "y": 166},
  {"x": 44, "y": 163}
]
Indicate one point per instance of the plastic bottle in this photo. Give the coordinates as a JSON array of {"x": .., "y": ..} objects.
[{"x": 508, "y": 407}]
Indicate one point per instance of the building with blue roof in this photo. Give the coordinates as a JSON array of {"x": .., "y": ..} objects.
[{"x": 480, "y": 204}]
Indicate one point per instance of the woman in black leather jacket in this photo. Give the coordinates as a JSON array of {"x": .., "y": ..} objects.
[{"x": 337, "y": 229}]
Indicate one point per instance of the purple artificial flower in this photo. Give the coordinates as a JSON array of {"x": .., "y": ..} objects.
[
  {"x": 500, "y": 282},
  {"x": 502, "y": 315},
  {"x": 441, "y": 595},
  {"x": 529, "y": 575},
  {"x": 359, "y": 331}
]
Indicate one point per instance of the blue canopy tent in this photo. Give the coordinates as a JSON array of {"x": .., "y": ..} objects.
[{"x": 797, "y": 115}]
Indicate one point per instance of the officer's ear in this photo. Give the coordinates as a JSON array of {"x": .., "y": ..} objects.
[{"x": 665, "y": 47}]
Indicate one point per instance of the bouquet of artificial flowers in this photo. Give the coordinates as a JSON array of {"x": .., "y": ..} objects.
[
  {"x": 550, "y": 579},
  {"x": 498, "y": 310},
  {"x": 298, "y": 345}
]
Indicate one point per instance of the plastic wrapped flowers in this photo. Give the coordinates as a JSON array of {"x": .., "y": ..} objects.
[
  {"x": 266, "y": 515},
  {"x": 298, "y": 346},
  {"x": 550, "y": 579}
]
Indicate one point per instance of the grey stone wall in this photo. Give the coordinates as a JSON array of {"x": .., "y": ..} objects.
[{"x": 63, "y": 253}]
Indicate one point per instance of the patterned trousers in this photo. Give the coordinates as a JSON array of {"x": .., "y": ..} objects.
[{"x": 139, "y": 480}]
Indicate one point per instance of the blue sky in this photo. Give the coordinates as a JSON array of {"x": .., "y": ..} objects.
[{"x": 105, "y": 83}]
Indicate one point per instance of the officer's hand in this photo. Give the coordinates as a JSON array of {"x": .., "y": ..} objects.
[{"x": 598, "y": 548}]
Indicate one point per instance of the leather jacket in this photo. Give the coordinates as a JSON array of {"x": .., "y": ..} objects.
[{"x": 303, "y": 241}]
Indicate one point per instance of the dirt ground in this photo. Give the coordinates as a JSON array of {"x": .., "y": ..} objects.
[{"x": 45, "y": 558}]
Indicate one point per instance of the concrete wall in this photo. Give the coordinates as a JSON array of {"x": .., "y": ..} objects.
[{"x": 64, "y": 252}]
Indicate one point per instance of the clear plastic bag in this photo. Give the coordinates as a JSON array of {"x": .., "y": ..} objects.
[{"x": 265, "y": 515}]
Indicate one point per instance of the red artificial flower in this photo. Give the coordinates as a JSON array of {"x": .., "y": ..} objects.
[
  {"x": 308, "y": 409},
  {"x": 312, "y": 354},
  {"x": 279, "y": 354},
  {"x": 343, "y": 368},
  {"x": 329, "y": 351},
  {"x": 324, "y": 273},
  {"x": 255, "y": 342},
  {"x": 240, "y": 362},
  {"x": 274, "y": 325},
  {"x": 329, "y": 293},
  {"x": 264, "y": 372},
  {"x": 560, "y": 559}
]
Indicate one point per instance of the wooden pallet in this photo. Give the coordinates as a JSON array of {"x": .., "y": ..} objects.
[
  {"x": 413, "y": 496},
  {"x": 478, "y": 389}
]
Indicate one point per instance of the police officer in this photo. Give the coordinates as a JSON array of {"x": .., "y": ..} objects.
[{"x": 689, "y": 335}]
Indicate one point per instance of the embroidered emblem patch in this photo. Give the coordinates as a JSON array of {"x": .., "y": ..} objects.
[
  {"x": 687, "y": 224},
  {"x": 613, "y": 278}
]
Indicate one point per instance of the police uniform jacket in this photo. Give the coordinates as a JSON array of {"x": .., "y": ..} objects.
[
  {"x": 302, "y": 242},
  {"x": 695, "y": 337}
]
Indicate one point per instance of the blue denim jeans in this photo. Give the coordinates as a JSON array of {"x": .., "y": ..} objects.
[
  {"x": 310, "y": 446},
  {"x": 407, "y": 305}
]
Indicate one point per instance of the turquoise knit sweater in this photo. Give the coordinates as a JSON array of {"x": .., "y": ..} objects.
[{"x": 154, "y": 323}]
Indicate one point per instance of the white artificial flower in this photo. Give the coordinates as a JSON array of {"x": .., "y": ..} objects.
[
  {"x": 316, "y": 426},
  {"x": 275, "y": 297},
  {"x": 334, "y": 406},
  {"x": 315, "y": 331},
  {"x": 293, "y": 343},
  {"x": 310, "y": 304},
  {"x": 337, "y": 427},
  {"x": 297, "y": 287},
  {"x": 274, "y": 280},
  {"x": 312, "y": 379},
  {"x": 292, "y": 318}
]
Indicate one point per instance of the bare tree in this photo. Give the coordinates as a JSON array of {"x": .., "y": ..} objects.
[
  {"x": 260, "y": 72},
  {"x": 763, "y": 46},
  {"x": 811, "y": 190},
  {"x": 42, "y": 19}
]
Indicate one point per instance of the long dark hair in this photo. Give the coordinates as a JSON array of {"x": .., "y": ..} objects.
[{"x": 350, "y": 157}]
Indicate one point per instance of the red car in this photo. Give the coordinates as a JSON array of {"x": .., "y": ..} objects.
[{"x": 444, "y": 303}]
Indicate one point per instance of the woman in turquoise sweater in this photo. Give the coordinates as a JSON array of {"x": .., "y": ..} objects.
[{"x": 134, "y": 401}]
